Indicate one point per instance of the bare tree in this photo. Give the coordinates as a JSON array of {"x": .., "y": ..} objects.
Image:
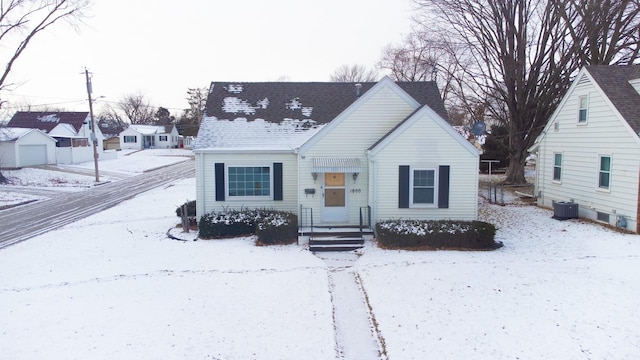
[
  {"x": 603, "y": 32},
  {"x": 353, "y": 73},
  {"x": 423, "y": 57},
  {"x": 22, "y": 20},
  {"x": 190, "y": 121},
  {"x": 524, "y": 54},
  {"x": 137, "y": 109}
]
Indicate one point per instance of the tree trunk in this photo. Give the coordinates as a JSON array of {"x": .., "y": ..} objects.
[{"x": 517, "y": 157}]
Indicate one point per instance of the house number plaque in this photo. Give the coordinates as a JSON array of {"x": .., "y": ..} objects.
[{"x": 355, "y": 191}]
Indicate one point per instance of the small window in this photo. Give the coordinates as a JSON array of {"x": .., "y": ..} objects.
[
  {"x": 163, "y": 137},
  {"x": 602, "y": 216},
  {"x": 557, "y": 166},
  {"x": 604, "y": 174},
  {"x": 246, "y": 181},
  {"x": 130, "y": 139},
  {"x": 583, "y": 112},
  {"x": 423, "y": 186}
]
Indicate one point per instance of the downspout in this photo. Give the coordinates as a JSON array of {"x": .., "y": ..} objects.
[
  {"x": 202, "y": 185},
  {"x": 371, "y": 192}
]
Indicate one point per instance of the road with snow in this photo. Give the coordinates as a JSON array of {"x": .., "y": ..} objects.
[{"x": 26, "y": 221}]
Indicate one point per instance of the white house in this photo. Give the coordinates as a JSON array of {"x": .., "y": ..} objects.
[
  {"x": 149, "y": 137},
  {"x": 589, "y": 151},
  {"x": 335, "y": 154},
  {"x": 25, "y": 147},
  {"x": 72, "y": 130}
]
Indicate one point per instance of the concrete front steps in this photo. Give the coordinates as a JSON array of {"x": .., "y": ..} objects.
[{"x": 335, "y": 238}]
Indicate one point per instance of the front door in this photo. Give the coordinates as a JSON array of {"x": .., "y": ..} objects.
[{"x": 335, "y": 198}]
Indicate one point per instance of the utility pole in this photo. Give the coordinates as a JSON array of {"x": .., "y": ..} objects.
[{"x": 94, "y": 140}]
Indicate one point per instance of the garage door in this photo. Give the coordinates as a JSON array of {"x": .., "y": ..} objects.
[{"x": 33, "y": 155}]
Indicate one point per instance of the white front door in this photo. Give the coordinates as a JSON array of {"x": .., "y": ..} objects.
[{"x": 334, "y": 208}]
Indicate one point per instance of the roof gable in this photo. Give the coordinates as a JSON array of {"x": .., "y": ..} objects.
[
  {"x": 615, "y": 83},
  {"x": 46, "y": 121},
  {"x": 423, "y": 111},
  {"x": 15, "y": 133}
]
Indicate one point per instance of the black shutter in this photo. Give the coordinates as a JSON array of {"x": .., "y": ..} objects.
[
  {"x": 443, "y": 187},
  {"x": 277, "y": 181},
  {"x": 403, "y": 186},
  {"x": 219, "y": 170}
]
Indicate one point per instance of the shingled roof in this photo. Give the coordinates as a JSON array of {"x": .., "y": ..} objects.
[
  {"x": 284, "y": 115},
  {"x": 46, "y": 121},
  {"x": 319, "y": 102},
  {"x": 614, "y": 81}
]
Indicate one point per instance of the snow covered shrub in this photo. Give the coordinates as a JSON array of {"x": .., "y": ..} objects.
[
  {"x": 226, "y": 224},
  {"x": 270, "y": 226},
  {"x": 191, "y": 209},
  {"x": 446, "y": 234},
  {"x": 276, "y": 227}
]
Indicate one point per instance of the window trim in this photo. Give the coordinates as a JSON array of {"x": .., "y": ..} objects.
[
  {"x": 160, "y": 138},
  {"x": 412, "y": 171},
  {"x": 230, "y": 197},
  {"x": 586, "y": 109},
  {"x": 553, "y": 173},
  {"x": 135, "y": 139},
  {"x": 599, "y": 172}
]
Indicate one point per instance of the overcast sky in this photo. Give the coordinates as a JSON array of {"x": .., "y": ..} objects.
[{"x": 160, "y": 48}]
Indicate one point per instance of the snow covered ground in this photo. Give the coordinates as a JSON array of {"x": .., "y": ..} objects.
[{"x": 113, "y": 286}]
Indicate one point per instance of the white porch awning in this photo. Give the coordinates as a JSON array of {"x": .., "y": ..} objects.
[{"x": 331, "y": 164}]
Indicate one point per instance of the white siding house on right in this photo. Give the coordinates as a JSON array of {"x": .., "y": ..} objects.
[{"x": 589, "y": 151}]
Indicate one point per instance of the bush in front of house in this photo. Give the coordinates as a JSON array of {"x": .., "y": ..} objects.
[
  {"x": 441, "y": 234},
  {"x": 270, "y": 226},
  {"x": 230, "y": 223},
  {"x": 191, "y": 209},
  {"x": 276, "y": 227}
]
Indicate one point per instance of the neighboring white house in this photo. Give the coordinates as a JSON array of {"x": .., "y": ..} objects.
[
  {"x": 589, "y": 151},
  {"x": 72, "y": 130},
  {"x": 149, "y": 137},
  {"x": 334, "y": 153},
  {"x": 25, "y": 147}
]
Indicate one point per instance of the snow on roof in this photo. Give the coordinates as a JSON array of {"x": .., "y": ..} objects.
[
  {"x": 63, "y": 130},
  {"x": 277, "y": 115},
  {"x": 148, "y": 129},
  {"x": 12, "y": 133},
  {"x": 243, "y": 134}
]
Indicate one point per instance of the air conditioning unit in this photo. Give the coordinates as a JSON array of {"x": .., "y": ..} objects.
[{"x": 563, "y": 210}]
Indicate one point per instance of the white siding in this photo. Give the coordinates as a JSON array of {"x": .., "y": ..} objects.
[
  {"x": 605, "y": 133},
  {"x": 426, "y": 144},
  {"x": 350, "y": 139},
  {"x": 130, "y": 132},
  {"x": 205, "y": 180},
  {"x": 8, "y": 154}
]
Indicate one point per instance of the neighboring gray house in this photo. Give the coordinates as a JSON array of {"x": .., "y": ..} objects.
[
  {"x": 140, "y": 137},
  {"x": 589, "y": 151},
  {"x": 334, "y": 153}
]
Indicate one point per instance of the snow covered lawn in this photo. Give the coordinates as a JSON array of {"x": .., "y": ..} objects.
[{"x": 113, "y": 286}]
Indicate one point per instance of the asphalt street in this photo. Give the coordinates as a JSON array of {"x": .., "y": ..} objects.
[{"x": 26, "y": 221}]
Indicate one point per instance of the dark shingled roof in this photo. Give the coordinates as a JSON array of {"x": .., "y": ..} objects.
[
  {"x": 324, "y": 100},
  {"x": 46, "y": 121},
  {"x": 614, "y": 81}
]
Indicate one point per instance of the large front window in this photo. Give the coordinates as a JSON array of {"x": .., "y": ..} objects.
[
  {"x": 423, "y": 186},
  {"x": 129, "y": 138},
  {"x": 249, "y": 181},
  {"x": 604, "y": 175}
]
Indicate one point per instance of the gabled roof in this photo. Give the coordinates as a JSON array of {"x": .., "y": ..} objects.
[
  {"x": 46, "y": 121},
  {"x": 152, "y": 129},
  {"x": 614, "y": 82},
  {"x": 15, "y": 133},
  {"x": 284, "y": 115},
  {"x": 316, "y": 102}
]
